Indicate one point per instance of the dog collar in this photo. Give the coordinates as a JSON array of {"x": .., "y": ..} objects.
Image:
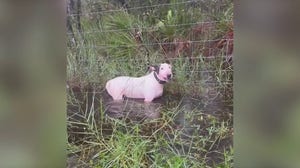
[{"x": 158, "y": 80}]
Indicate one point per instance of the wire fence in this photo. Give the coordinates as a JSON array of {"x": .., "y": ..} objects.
[
  {"x": 143, "y": 7},
  {"x": 167, "y": 30},
  {"x": 150, "y": 28}
]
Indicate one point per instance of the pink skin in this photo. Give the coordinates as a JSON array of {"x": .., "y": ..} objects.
[{"x": 145, "y": 87}]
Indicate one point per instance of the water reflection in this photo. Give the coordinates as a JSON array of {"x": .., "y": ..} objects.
[
  {"x": 133, "y": 109},
  {"x": 195, "y": 125}
]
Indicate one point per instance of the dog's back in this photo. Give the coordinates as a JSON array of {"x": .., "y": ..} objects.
[
  {"x": 147, "y": 87},
  {"x": 125, "y": 85}
]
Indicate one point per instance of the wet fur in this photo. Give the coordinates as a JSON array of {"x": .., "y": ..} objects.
[{"x": 146, "y": 87}]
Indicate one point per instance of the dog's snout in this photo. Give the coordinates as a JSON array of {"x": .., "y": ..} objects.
[{"x": 169, "y": 76}]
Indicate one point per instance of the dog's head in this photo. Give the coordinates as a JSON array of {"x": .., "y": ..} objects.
[{"x": 163, "y": 71}]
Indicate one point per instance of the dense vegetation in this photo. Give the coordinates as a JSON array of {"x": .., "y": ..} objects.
[{"x": 111, "y": 38}]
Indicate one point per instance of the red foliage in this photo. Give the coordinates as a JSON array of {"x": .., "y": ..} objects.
[
  {"x": 173, "y": 49},
  {"x": 225, "y": 43}
]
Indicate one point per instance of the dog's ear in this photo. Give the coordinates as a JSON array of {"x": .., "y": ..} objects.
[
  {"x": 154, "y": 68},
  {"x": 157, "y": 68},
  {"x": 150, "y": 68}
]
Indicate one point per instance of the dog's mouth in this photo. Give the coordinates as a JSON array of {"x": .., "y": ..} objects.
[{"x": 168, "y": 77}]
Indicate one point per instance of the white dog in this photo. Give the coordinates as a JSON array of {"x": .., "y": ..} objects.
[{"x": 146, "y": 87}]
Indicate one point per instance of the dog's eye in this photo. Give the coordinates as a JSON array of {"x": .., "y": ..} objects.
[{"x": 161, "y": 68}]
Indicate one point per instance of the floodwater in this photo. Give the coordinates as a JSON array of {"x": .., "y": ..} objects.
[{"x": 193, "y": 117}]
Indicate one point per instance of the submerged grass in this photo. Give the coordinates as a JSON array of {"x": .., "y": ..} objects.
[
  {"x": 201, "y": 140},
  {"x": 125, "y": 42}
]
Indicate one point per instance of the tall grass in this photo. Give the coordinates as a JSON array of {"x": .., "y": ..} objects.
[
  {"x": 110, "y": 48},
  {"x": 125, "y": 42},
  {"x": 153, "y": 143}
]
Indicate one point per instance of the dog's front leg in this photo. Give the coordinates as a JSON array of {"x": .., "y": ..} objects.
[{"x": 148, "y": 98}]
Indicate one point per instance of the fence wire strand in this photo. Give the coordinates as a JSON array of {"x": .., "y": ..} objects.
[
  {"x": 147, "y": 29},
  {"x": 135, "y": 8},
  {"x": 214, "y": 81}
]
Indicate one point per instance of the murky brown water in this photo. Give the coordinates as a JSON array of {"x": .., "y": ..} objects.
[{"x": 194, "y": 117}]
